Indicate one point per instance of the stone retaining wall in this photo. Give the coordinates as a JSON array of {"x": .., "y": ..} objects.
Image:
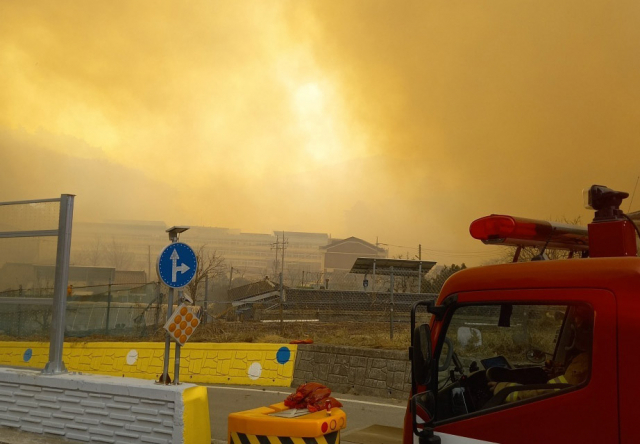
[
  {"x": 103, "y": 409},
  {"x": 380, "y": 373}
]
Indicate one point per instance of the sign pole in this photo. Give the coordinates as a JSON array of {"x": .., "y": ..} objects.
[
  {"x": 176, "y": 364},
  {"x": 177, "y": 265},
  {"x": 167, "y": 342}
]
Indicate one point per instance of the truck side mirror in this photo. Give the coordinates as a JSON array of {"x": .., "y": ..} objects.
[
  {"x": 421, "y": 360},
  {"x": 423, "y": 407}
]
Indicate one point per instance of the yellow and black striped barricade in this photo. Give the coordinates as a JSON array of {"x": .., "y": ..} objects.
[{"x": 260, "y": 426}]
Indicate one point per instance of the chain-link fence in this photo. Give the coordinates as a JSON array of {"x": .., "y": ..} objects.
[
  {"x": 258, "y": 312},
  {"x": 111, "y": 310},
  {"x": 308, "y": 305},
  {"x": 138, "y": 313}
]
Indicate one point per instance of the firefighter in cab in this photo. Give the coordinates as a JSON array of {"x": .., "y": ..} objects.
[{"x": 575, "y": 372}]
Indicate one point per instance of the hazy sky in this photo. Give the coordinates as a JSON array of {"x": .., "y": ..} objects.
[{"x": 398, "y": 119}]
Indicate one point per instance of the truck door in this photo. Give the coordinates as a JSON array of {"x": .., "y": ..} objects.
[{"x": 534, "y": 366}]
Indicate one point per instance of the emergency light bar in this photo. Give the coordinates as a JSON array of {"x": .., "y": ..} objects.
[{"x": 521, "y": 232}]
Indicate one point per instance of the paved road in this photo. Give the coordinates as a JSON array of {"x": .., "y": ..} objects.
[
  {"x": 12, "y": 436},
  {"x": 361, "y": 411}
]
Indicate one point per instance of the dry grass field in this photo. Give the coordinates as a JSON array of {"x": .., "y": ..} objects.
[{"x": 355, "y": 334}]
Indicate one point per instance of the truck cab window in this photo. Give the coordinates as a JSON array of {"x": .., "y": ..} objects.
[{"x": 496, "y": 355}]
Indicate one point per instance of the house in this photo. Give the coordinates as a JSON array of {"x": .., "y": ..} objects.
[
  {"x": 130, "y": 277},
  {"x": 253, "y": 292},
  {"x": 340, "y": 254}
]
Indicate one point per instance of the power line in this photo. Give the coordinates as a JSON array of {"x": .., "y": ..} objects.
[
  {"x": 398, "y": 246},
  {"x": 482, "y": 252}
]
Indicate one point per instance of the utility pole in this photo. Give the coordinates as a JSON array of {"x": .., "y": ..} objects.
[
  {"x": 284, "y": 247},
  {"x": 279, "y": 246},
  {"x": 282, "y": 296},
  {"x": 276, "y": 245},
  {"x": 230, "y": 277}
]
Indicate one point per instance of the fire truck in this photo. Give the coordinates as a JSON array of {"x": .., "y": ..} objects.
[{"x": 544, "y": 351}]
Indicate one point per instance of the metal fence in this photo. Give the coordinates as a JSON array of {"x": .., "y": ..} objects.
[
  {"x": 308, "y": 305},
  {"x": 112, "y": 310},
  {"x": 138, "y": 312},
  {"x": 34, "y": 220}
]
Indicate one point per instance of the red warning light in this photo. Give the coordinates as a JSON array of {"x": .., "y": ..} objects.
[
  {"x": 518, "y": 231},
  {"x": 324, "y": 427}
]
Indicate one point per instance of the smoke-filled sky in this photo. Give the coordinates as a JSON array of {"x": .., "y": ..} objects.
[{"x": 402, "y": 120}]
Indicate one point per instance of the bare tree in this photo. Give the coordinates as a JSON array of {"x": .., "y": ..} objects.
[
  {"x": 293, "y": 275},
  {"x": 119, "y": 255},
  {"x": 93, "y": 254},
  {"x": 433, "y": 282},
  {"x": 42, "y": 317},
  {"x": 240, "y": 272},
  {"x": 211, "y": 264}
]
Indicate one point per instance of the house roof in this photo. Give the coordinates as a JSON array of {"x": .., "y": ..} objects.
[
  {"x": 365, "y": 265},
  {"x": 250, "y": 290},
  {"x": 130, "y": 277},
  {"x": 352, "y": 239}
]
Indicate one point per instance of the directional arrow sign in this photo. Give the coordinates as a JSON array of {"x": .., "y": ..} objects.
[
  {"x": 175, "y": 268},
  {"x": 177, "y": 265}
]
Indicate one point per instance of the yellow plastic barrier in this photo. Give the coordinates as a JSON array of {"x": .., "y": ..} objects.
[
  {"x": 230, "y": 363},
  {"x": 197, "y": 424},
  {"x": 258, "y": 426}
]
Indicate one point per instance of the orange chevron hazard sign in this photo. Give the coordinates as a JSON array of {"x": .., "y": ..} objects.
[{"x": 242, "y": 438}]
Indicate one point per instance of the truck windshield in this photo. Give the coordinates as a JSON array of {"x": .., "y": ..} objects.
[
  {"x": 476, "y": 333},
  {"x": 492, "y": 347}
]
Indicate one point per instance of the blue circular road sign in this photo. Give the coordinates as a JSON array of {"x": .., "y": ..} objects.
[{"x": 177, "y": 265}]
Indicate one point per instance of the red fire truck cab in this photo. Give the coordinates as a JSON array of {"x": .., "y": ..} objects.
[{"x": 534, "y": 352}]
